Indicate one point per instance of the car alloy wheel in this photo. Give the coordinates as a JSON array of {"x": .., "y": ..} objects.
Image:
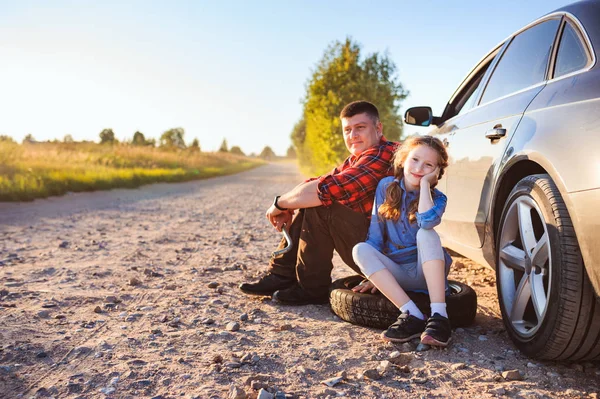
[{"x": 525, "y": 268}]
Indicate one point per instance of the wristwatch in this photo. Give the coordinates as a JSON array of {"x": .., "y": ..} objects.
[{"x": 276, "y": 205}]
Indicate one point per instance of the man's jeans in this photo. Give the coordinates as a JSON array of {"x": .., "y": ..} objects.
[{"x": 315, "y": 233}]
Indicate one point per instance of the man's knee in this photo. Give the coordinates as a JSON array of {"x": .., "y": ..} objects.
[{"x": 428, "y": 237}]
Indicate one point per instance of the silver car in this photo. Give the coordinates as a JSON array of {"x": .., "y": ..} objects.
[{"x": 523, "y": 185}]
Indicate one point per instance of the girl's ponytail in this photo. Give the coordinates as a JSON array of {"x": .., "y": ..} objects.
[{"x": 390, "y": 209}]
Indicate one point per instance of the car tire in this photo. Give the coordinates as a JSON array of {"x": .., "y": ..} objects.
[
  {"x": 375, "y": 310},
  {"x": 548, "y": 305}
]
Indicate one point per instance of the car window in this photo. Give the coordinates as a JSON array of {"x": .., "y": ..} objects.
[
  {"x": 468, "y": 95},
  {"x": 572, "y": 54},
  {"x": 467, "y": 102},
  {"x": 524, "y": 62}
]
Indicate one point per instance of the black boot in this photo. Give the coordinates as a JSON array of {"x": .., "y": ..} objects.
[
  {"x": 267, "y": 285},
  {"x": 295, "y": 295}
]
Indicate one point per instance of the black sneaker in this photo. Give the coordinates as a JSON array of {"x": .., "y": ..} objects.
[
  {"x": 296, "y": 295},
  {"x": 437, "y": 332},
  {"x": 404, "y": 329},
  {"x": 267, "y": 285}
]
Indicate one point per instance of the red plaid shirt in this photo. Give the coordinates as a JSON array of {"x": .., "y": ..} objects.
[{"x": 353, "y": 183}]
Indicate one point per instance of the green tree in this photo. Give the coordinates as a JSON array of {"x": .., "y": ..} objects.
[
  {"x": 173, "y": 138},
  {"x": 237, "y": 150},
  {"x": 68, "y": 139},
  {"x": 138, "y": 139},
  {"x": 267, "y": 153},
  {"x": 224, "y": 147},
  {"x": 291, "y": 152},
  {"x": 107, "y": 136},
  {"x": 340, "y": 77},
  {"x": 195, "y": 146},
  {"x": 28, "y": 138}
]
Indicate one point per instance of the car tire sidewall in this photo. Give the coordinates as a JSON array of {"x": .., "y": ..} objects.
[
  {"x": 530, "y": 187},
  {"x": 375, "y": 310}
]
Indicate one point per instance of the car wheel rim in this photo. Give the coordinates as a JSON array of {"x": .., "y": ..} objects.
[
  {"x": 454, "y": 288},
  {"x": 524, "y": 267}
]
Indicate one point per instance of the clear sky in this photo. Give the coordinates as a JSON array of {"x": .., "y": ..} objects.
[{"x": 222, "y": 69}]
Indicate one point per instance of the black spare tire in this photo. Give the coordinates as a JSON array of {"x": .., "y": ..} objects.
[{"x": 375, "y": 310}]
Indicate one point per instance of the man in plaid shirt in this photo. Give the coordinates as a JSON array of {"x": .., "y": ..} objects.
[{"x": 333, "y": 213}]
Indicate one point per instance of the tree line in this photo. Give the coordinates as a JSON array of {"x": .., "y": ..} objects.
[{"x": 172, "y": 139}]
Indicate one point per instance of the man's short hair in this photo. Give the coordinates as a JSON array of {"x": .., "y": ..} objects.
[{"x": 360, "y": 107}]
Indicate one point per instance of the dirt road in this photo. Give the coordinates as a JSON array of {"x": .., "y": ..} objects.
[{"x": 133, "y": 293}]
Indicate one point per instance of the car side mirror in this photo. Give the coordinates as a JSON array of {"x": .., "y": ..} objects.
[{"x": 419, "y": 116}]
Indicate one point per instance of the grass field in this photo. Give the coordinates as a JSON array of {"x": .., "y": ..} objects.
[{"x": 39, "y": 170}]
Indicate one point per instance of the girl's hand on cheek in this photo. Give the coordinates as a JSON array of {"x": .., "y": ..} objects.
[{"x": 431, "y": 178}]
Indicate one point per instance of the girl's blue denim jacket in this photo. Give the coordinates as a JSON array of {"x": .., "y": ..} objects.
[{"x": 398, "y": 240}]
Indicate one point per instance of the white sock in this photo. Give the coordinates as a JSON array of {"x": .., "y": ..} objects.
[
  {"x": 412, "y": 309},
  {"x": 439, "y": 308}
]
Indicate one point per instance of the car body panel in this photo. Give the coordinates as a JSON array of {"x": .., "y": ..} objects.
[
  {"x": 470, "y": 173},
  {"x": 567, "y": 111},
  {"x": 584, "y": 205}
]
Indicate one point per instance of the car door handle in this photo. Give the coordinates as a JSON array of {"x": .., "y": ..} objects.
[{"x": 495, "y": 133}]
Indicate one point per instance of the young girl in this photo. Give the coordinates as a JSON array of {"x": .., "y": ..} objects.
[{"x": 403, "y": 252}]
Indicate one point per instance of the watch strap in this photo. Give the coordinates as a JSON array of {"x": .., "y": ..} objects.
[{"x": 276, "y": 205}]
